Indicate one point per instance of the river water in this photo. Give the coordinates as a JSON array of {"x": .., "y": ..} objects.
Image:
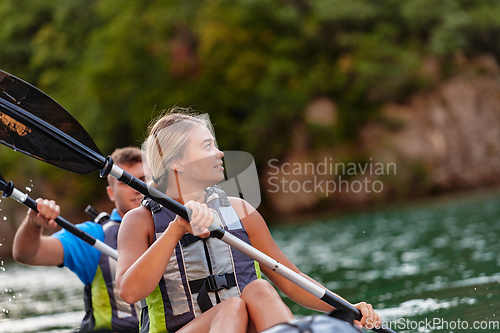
[{"x": 433, "y": 267}]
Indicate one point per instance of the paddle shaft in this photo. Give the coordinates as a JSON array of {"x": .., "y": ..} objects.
[
  {"x": 306, "y": 284},
  {"x": 26, "y": 200},
  {"x": 100, "y": 163}
]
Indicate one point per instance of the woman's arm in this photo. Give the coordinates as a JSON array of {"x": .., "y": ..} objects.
[
  {"x": 261, "y": 239},
  {"x": 140, "y": 266}
]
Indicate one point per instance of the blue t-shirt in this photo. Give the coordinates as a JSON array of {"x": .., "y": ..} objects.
[{"x": 80, "y": 257}]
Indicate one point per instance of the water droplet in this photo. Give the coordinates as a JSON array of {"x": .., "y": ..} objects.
[
  {"x": 13, "y": 296},
  {"x": 5, "y": 218},
  {"x": 10, "y": 300},
  {"x": 28, "y": 188}
]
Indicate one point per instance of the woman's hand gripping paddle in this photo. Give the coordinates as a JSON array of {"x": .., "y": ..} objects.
[{"x": 24, "y": 105}]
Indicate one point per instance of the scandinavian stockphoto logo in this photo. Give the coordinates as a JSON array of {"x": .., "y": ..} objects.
[
  {"x": 327, "y": 176},
  {"x": 435, "y": 324}
]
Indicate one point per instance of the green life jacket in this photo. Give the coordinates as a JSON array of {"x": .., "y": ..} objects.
[
  {"x": 200, "y": 272},
  {"x": 105, "y": 311}
]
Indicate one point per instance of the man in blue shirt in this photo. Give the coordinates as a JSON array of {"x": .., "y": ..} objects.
[{"x": 105, "y": 310}]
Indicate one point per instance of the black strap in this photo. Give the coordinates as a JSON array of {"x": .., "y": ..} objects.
[
  {"x": 222, "y": 196},
  {"x": 88, "y": 322},
  {"x": 189, "y": 239},
  {"x": 210, "y": 284},
  {"x": 153, "y": 206},
  {"x": 214, "y": 282}
]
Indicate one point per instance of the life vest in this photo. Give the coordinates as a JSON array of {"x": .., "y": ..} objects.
[
  {"x": 104, "y": 309},
  {"x": 200, "y": 272}
]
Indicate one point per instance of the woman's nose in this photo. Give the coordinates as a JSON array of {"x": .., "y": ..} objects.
[{"x": 220, "y": 153}]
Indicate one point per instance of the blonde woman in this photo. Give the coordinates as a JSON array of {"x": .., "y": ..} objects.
[{"x": 191, "y": 282}]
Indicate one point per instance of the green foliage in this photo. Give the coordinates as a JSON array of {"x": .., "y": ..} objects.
[{"x": 253, "y": 65}]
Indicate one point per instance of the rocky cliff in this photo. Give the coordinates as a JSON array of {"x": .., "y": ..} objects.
[{"x": 442, "y": 140}]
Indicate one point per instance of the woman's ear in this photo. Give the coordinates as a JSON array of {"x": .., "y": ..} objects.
[{"x": 177, "y": 166}]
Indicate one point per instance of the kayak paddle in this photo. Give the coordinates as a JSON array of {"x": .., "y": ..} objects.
[
  {"x": 24, "y": 118},
  {"x": 9, "y": 190}
]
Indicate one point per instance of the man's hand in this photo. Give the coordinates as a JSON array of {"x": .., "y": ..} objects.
[{"x": 48, "y": 211}]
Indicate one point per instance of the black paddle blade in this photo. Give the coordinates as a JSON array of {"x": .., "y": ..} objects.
[{"x": 17, "y": 96}]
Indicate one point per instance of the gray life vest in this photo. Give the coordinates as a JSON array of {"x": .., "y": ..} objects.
[
  {"x": 200, "y": 272},
  {"x": 105, "y": 311}
]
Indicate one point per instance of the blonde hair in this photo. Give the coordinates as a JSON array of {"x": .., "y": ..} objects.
[{"x": 167, "y": 140}]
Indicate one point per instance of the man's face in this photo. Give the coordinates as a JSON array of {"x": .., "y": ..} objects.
[{"x": 124, "y": 196}]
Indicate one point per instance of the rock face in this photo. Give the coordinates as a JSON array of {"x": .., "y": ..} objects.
[
  {"x": 454, "y": 132},
  {"x": 442, "y": 140}
]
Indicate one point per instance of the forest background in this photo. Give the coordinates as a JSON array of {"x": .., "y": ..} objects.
[{"x": 414, "y": 83}]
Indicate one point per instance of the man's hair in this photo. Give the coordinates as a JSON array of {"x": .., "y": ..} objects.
[{"x": 127, "y": 156}]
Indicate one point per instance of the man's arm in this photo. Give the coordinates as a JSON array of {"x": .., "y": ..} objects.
[{"x": 30, "y": 247}]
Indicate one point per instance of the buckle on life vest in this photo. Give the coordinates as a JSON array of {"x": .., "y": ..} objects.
[
  {"x": 210, "y": 284},
  {"x": 213, "y": 283},
  {"x": 217, "y": 282},
  {"x": 222, "y": 196},
  {"x": 153, "y": 206},
  {"x": 156, "y": 208}
]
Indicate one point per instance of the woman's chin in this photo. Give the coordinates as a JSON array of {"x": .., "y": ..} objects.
[{"x": 221, "y": 178}]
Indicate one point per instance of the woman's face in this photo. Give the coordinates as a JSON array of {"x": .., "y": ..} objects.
[{"x": 202, "y": 161}]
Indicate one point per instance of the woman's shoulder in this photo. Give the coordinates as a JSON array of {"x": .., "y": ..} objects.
[
  {"x": 241, "y": 205},
  {"x": 138, "y": 218},
  {"x": 140, "y": 211},
  {"x": 248, "y": 215}
]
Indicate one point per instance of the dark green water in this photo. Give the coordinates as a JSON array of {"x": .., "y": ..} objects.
[
  {"x": 439, "y": 262},
  {"x": 428, "y": 268}
]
